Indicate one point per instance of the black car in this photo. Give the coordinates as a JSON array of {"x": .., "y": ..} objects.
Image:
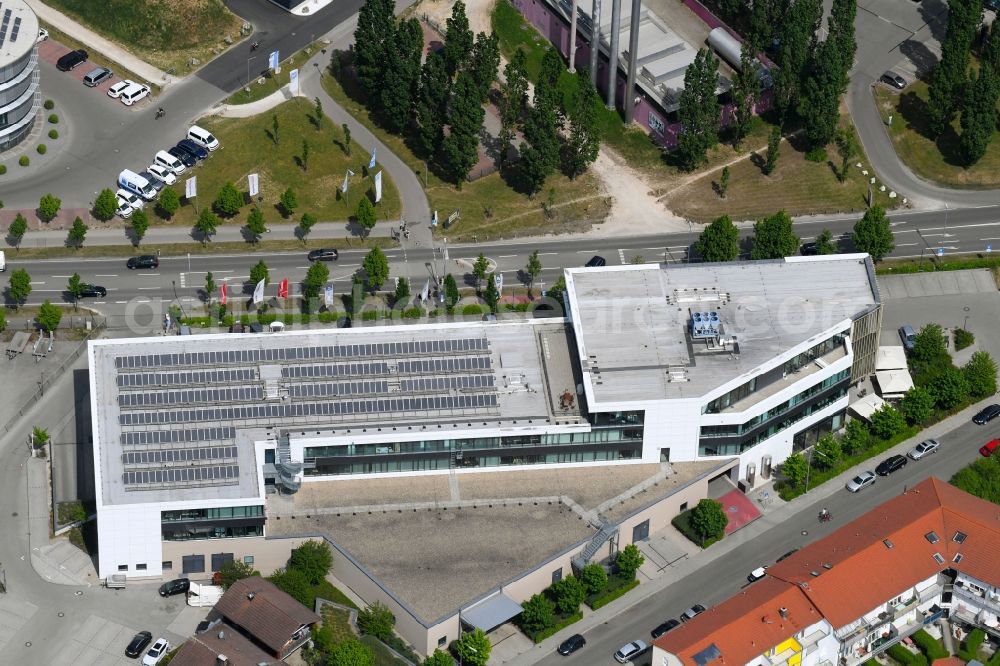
[
  {"x": 595, "y": 262},
  {"x": 571, "y": 644},
  {"x": 175, "y": 586},
  {"x": 890, "y": 465},
  {"x": 788, "y": 554},
  {"x": 664, "y": 628},
  {"x": 186, "y": 158},
  {"x": 893, "y": 79},
  {"x": 323, "y": 254},
  {"x": 138, "y": 644},
  {"x": 72, "y": 59},
  {"x": 189, "y": 146},
  {"x": 808, "y": 249},
  {"x": 92, "y": 290},
  {"x": 986, "y": 415},
  {"x": 144, "y": 261}
]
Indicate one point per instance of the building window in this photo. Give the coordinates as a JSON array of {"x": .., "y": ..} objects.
[
  {"x": 168, "y": 565},
  {"x": 140, "y": 567},
  {"x": 248, "y": 560},
  {"x": 220, "y": 559},
  {"x": 557, "y": 575},
  {"x": 122, "y": 567},
  {"x": 442, "y": 641},
  {"x": 641, "y": 531},
  {"x": 683, "y": 507},
  {"x": 194, "y": 564}
]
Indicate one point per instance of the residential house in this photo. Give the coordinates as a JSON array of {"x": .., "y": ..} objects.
[{"x": 273, "y": 620}]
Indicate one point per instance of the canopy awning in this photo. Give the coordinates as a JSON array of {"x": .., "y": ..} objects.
[
  {"x": 867, "y": 406},
  {"x": 893, "y": 383},
  {"x": 491, "y": 613},
  {"x": 891, "y": 358}
]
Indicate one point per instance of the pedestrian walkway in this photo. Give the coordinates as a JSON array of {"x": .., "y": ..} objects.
[{"x": 98, "y": 43}]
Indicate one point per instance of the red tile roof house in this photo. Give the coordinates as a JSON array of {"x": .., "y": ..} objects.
[
  {"x": 930, "y": 552},
  {"x": 274, "y": 621},
  {"x": 223, "y": 646}
]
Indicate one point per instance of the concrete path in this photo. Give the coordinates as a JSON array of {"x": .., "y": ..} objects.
[{"x": 98, "y": 43}]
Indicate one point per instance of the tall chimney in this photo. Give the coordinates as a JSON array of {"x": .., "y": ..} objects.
[
  {"x": 616, "y": 16},
  {"x": 572, "y": 39},
  {"x": 595, "y": 40},
  {"x": 633, "y": 59}
]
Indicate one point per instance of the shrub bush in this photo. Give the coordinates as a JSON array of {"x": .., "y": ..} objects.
[
  {"x": 817, "y": 155},
  {"x": 683, "y": 524},
  {"x": 930, "y": 646},
  {"x": 609, "y": 595},
  {"x": 24, "y": 161},
  {"x": 53, "y": 134},
  {"x": 49, "y": 105},
  {"x": 53, "y": 118},
  {"x": 963, "y": 339},
  {"x": 3, "y": 169},
  {"x": 41, "y": 149},
  {"x": 556, "y": 628},
  {"x": 905, "y": 657},
  {"x": 969, "y": 648}
]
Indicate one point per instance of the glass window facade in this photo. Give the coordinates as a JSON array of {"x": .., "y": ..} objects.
[
  {"x": 188, "y": 515},
  {"x": 214, "y": 523}
]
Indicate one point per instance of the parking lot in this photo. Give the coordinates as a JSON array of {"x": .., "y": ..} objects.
[{"x": 50, "y": 51}]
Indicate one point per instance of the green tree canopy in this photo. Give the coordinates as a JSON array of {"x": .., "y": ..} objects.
[
  {"x": 479, "y": 268},
  {"x": 709, "y": 519},
  {"x": 19, "y": 287},
  {"x": 77, "y": 233},
  {"x": 794, "y": 469},
  {"x": 432, "y": 103},
  {"x": 699, "y": 111},
  {"x": 537, "y": 613},
  {"x": 307, "y": 222},
  {"x": 365, "y": 215},
  {"x": 48, "y": 207},
  {"x": 950, "y": 387},
  {"x": 720, "y": 241},
  {"x": 629, "y": 560},
  {"x": 259, "y": 272},
  {"x": 917, "y": 405},
  {"x": 235, "y": 570},
  {"x": 377, "y": 620},
  {"x": 256, "y": 226},
  {"x": 513, "y": 100},
  {"x": 492, "y": 294},
  {"x": 948, "y": 78},
  {"x": 351, "y": 652},
  {"x": 584, "y": 139},
  {"x": 569, "y": 593},
  {"x": 594, "y": 578},
  {"x": 886, "y": 422},
  {"x": 140, "y": 225},
  {"x": 484, "y": 61},
  {"x": 313, "y": 559},
  {"x": 49, "y": 316},
  {"x": 207, "y": 224},
  {"x": 797, "y": 29},
  {"x": 376, "y": 268},
  {"x": 402, "y": 290},
  {"x": 460, "y": 148},
  {"x": 746, "y": 93},
  {"x": 981, "y": 374},
  {"x": 105, "y": 205},
  {"x": 827, "y": 452},
  {"x": 825, "y": 244},
  {"x": 74, "y": 286},
  {"x": 534, "y": 268},
  {"x": 228, "y": 201},
  {"x": 474, "y": 647},
  {"x": 168, "y": 202},
  {"x": 372, "y": 38},
  {"x": 458, "y": 39},
  {"x": 451, "y": 294},
  {"x": 439, "y": 658},
  {"x": 316, "y": 278},
  {"x": 18, "y": 227},
  {"x": 401, "y": 78},
  {"x": 773, "y": 237},
  {"x": 289, "y": 201},
  {"x": 856, "y": 437},
  {"x": 873, "y": 234},
  {"x": 773, "y": 148},
  {"x": 929, "y": 343}
]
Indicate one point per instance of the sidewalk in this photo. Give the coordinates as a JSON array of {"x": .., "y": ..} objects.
[
  {"x": 775, "y": 515},
  {"x": 98, "y": 43}
]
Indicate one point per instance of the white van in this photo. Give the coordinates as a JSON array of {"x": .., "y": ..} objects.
[
  {"x": 136, "y": 184},
  {"x": 203, "y": 138},
  {"x": 3, "y": 261},
  {"x": 135, "y": 202},
  {"x": 165, "y": 159},
  {"x": 133, "y": 94}
]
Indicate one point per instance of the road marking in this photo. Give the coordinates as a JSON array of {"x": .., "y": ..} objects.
[
  {"x": 100, "y": 302},
  {"x": 147, "y": 288},
  {"x": 38, "y": 282},
  {"x": 621, "y": 255},
  {"x": 143, "y": 300},
  {"x": 506, "y": 256},
  {"x": 905, "y": 244},
  {"x": 301, "y": 268},
  {"x": 229, "y": 270},
  {"x": 66, "y": 277},
  {"x": 120, "y": 302},
  {"x": 547, "y": 254},
  {"x": 585, "y": 252},
  {"x": 148, "y": 274},
  {"x": 105, "y": 276}
]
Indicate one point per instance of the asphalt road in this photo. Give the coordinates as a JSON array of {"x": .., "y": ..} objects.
[{"x": 723, "y": 577}]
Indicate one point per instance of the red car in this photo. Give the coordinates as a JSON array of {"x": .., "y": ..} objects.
[{"x": 989, "y": 448}]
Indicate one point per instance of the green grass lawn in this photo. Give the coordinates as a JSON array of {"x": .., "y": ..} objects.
[
  {"x": 247, "y": 148},
  {"x": 515, "y": 33},
  {"x": 937, "y": 160},
  {"x": 270, "y": 83}
]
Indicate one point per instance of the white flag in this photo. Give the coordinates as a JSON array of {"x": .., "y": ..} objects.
[
  {"x": 426, "y": 291},
  {"x": 499, "y": 280},
  {"x": 253, "y": 182},
  {"x": 293, "y": 82},
  {"x": 258, "y": 292},
  {"x": 191, "y": 187},
  {"x": 328, "y": 295},
  {"x": 371, "y": 162},
  {"x": 378, "y": 187},
  {"x": 347, "y": 176}
]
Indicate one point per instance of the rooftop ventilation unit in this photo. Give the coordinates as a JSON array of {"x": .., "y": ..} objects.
[{"x": 705, "y": 324}]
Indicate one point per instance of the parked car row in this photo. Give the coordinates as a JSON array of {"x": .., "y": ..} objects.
[{"x": 129, "y": 92}]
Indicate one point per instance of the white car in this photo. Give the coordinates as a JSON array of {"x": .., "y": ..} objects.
[
  {"x": 162, "y": 174},
  {"x": 156, "y": 653},
  {"x": 43, "y": 34},
  {"x": 630, "y": 651},
  {"x": 861, "y": 481},
  {"x": 134, "y": 201},
  {"x": 924, "y": 448},
  {"x": 757, "y": 574},
  {"x": 124, "y": 209},
  {"x": 116, "y": 89},
  {"x": 130, "y": 97}
]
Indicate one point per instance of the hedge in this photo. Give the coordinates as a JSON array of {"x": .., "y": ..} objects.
[
  {"x": 607, "y": 597},
  {"x": 969, "y": 649},
  {"x": 905, "y": 657},
  {"x": 682, "y": 522},
  {"x": 931, "y": 648},
  {"x": 556, "y": 628}
]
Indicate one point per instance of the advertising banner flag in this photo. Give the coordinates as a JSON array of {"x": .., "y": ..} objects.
[
  {"x": 273, "y": 60},
  {"x": 191, "y": 187},
  {"x": 283, "y": 288},
  {"x": 258, "y": 292},
  {"x": 378, "y": 187},
  {"x": 371, "y": 162},
  {"x": 347, "y": 176},
  {"x": 293, "y": 82},
  {"x": 253, "y": 181},
  {"x": 328, "y": 295},
  {"x": 223, "y": 293}
]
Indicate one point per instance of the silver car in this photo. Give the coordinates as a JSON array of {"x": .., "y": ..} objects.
[
  {"x": 862, "y": 480},
  {"x": 924, "y": 448},
  {"x": 630, "y": 651}
]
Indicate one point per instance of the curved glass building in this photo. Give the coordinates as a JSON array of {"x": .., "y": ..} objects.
[{"x": 19, "y": 95}]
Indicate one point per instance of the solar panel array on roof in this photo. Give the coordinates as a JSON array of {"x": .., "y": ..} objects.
[
  {"x": 3, "y": 26},
  {"x": 336, "y": 389},
  {"x": 157, "y": 456},
  {"x": 176, "y": 436},
  {"x": 141, "y": 379},
  {"x": 446, "y": 383},
  {"x": 201, "y": 396},
  {"x": 16, "y": 29},
  {"x": 181, "y": 476},
  {"x": 375, "y": 368},
  {"x": 445, "y": 364}
]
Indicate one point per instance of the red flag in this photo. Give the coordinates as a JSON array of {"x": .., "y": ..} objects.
[
  {"x": 283, "y": 288},
  {"x": 222, "y": 293}
]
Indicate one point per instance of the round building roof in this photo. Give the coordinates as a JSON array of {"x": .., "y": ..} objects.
[{"x": 18, "y": 30}]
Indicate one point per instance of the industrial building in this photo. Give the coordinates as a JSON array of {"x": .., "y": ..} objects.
[
  {"x": 20, "y": 98},
  {"x": 741, "y": 362}
]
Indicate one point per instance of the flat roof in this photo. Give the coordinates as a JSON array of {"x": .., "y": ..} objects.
[
  {"x": 635, "y": 324},
  {"x": 18, "y": 30},
  {"x": 180, "y": 414}
]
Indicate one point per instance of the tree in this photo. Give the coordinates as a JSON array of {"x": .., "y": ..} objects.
[
  {"x": 474, "y": 647},
  {"x": 798, "y": 28},
  {"x": 724, "y": 182},
  {"x": 513, "y": 100},
  {"x": 256, "y": 227},
  {"x": 457, "y": 39},
  {"x": 206, "y": 224},
  {"x": 318, "y": 113},
  {"x": 315, "y": 280},
  {"x": 492, "y": 294},
  {"x": 347, "y": 138},
  {"x": 140, "y": 225},
  {"x": 542, "y": 126},
  {"x": 48, "y": 207},
  {"x": 460, "y": 149},
  {"x": 629, "y": 560},
  {"x": 313, "y": 559},
  {"x": 773, "y": 146},
  {"x": 917, "y": 405},
  {"x": 794, "y": 469},
  {"x": 584, "y": 140},
  {"x": 77, "y": 233},
  {"x": 75, "y": 287},
  {"x": 451, "y": 294},
  {"x": 228, "y": 201},
  {"x": 886, "y": 422},
  {"x": 819, "y": 103},
  {"x": 351, "y": 652},
  {"x": 439, "y": 658},
  {"x": 168, "y": 203},
  {"x": 305, "y": 155},
  {"x": 594, "y": 578},
  {"x": 828, "y": 452},
  {"x": 708, "y": 519},
  {"x": 485, "y": 60},
  {"x": 307, "y": 222},
  {"x": 274, "y": 128},
  {"x": 773, "y": 237},
  {"x": 376, "y": 267},
  {"x": 719, "y": 241},
  {"x": 746, "y": 93},
  {"x": 17, "y": 229},
  {"x": 979, "y": 114},
  {"x": 532, "y": 169},
  {"x": 105, "y": 205},
  {"x": 847, "y": 146},
  {"x": 402, "y": 290},
  {"x": 825, "y": 244},
  {"x": 49, "y": 316},
  {"x": 209, "y": 286},
  {"x": 401, "y": 80},
  {"x": 537, "y": 613},
  {"x": 365, "y": 215},
  {"x": 289, "y": 201},
  {"x": 873, "y": 234},
  {"x": 235, "y": 570},
  {"x": 376, "y": 27},
  {"x": 432, "y": 103},
  {"x": 479, "y": 268},
  {"x": 929, "y": 344},
  {"x": 569, "y": 593},
  {"x": 981, "y": 374},
  {"x": 856, "y": 437},
  {"x": 948, "y": 78},
  {"x": 260, "y": 272},
  {"x": 323, "y": 639},
  {"x": 19, "y": 287},
  {"x": 699, "y": 111},
  {"x": 533, "y": 269},
  {"x": 841, "y": 33},
  {"x": 377, "y": 620}
]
